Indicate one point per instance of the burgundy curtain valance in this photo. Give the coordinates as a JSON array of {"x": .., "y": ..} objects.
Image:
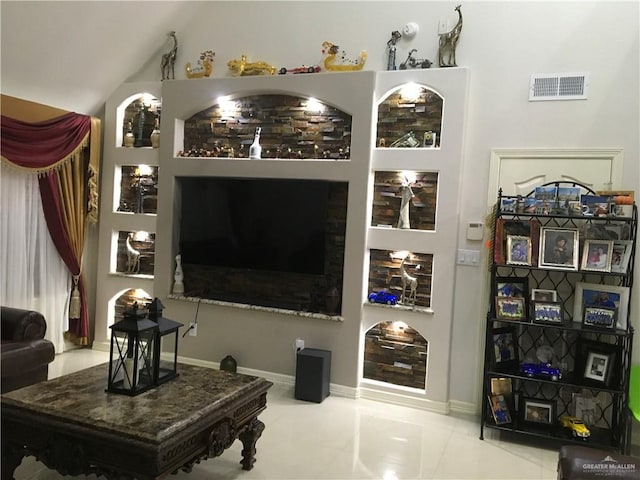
[{"x": 43, "y": 146}]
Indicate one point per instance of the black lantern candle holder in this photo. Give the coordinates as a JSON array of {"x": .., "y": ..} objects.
[
  {"x": 165, "y": 369},
  {"x": 133, "y": 360}
]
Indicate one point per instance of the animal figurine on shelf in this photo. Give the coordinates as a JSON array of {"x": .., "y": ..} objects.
[
  {"x": 408, "y": 282},
  {"x": 242, "y": 67},
  {"x": 449, "y": 42},
  {"x": 412, "y": 62},
  {"x": 343, "y": 64},
  {"x": 204, "y": 68},
  {"x": 169, "y": 60},
  {"x": 133, "y": 257}
]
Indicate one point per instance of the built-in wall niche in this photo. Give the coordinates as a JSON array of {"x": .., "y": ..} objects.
[
  {"x": 405, "y": 199},
  {"x": 140, "y": 116},
  {"x": 136, "y": 253},
  {"x": 396, "y": 272},
  {"x": 410, "y": 116},
  {"x": 395, "y": 353},
  {"x": 291, "y": 128},
  {"x": 125, "y": 300},
  {"x": 267, "y": 242},
  {"x": 138, "y": 189}
]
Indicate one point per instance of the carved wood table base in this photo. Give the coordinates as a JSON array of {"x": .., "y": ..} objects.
[{"x": 74, "y": 427}]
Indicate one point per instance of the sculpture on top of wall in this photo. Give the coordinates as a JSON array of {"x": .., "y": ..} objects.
[
  {"x": 343, "y": 63},
  {"x": 449, "y": 42},
  {"x": 391, "y": 59},
  {"x": 412, "y": 62},
  {"x": 169, "y": 60},
  {"x": 242, "y": 67},
  {"x": 204, "y": 67}
]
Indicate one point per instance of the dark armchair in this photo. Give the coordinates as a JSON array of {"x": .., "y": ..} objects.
[{"x": 25, "y": 354}]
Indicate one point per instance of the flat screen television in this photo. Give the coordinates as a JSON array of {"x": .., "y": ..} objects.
[{"x": 254, "y": 223}]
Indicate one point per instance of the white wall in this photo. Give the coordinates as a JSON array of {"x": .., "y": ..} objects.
[{"x": 502, "y": 43}]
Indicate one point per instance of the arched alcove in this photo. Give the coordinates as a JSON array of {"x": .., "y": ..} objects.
[
  {"x": 137, "y": 114},
  {"x": 396, "y": 353},
  {"x": 410, "y": 116},
  {"x": 291, "y": 127}
]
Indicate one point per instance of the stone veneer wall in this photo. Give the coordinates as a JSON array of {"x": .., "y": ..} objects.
[
  {"x": 387, "y": 196},
  {"x": 384, "y": 274},
  {"x": 398, "y": 116},
  {"x": 395, "y": 354},
  {"x": 129, "y": 191},
  {"x": 289, "y": 130}
]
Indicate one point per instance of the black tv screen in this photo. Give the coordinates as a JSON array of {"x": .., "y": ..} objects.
[{"x": 254, "y": 223}]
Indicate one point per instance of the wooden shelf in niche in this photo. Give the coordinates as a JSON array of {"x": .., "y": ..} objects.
[
  {"x": 418, "y": 112},
  {"x": 141, "y": 113},
  {"x": 138, "y": 189},
  {"x": 385, "y": 274},
  {"x": 136, "y": 253},
  {"x": 292, "y": 128},
  {"x": 388, "y": 193}
]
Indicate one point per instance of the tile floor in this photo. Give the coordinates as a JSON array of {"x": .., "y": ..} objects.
[{"x": 342, "y": 438}]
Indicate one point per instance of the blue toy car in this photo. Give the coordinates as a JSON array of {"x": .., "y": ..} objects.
[
  {"x": 383, "y": 297},
  {"x": 541, "y": 370}
]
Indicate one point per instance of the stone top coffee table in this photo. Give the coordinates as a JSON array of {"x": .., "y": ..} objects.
[{"x": 73, "y": 426}]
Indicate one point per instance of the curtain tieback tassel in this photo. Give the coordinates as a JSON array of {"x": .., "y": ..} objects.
[{"x": 74, "y": 304}]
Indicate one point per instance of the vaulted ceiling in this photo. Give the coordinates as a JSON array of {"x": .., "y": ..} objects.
[{"x": 72, "y": 55}]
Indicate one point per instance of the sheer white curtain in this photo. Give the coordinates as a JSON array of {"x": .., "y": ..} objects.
[{"x": 34, "y": 276}]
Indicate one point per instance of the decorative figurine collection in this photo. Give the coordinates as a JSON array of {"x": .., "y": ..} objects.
[{"x": 334, "y": 59}]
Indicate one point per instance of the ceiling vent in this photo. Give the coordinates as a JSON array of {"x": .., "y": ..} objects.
[{"x": 558, "y": 86}]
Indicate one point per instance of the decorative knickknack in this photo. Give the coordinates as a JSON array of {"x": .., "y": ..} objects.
[
  {"x": 229, "y": 364},
  {"x": 155, "y": 134},
  {"x": 129, "y": 137}
]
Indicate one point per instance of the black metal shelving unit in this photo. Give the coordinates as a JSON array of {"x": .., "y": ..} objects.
[{"x": 610, "y": 424}]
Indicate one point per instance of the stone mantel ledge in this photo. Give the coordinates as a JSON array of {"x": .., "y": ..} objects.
[{"x": 259, "y": 308}]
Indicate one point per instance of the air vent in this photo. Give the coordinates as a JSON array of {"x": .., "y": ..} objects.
[{"x": 558, "y": 86}]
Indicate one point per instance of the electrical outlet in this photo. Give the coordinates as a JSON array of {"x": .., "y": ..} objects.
[
  {"x": 193, "y": 329},
  {"x": 299, "y": 344}
]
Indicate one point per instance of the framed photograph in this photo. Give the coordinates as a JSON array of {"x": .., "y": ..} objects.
[
  {"x": 599, "y": 317},
  {"x": 620, "y": 254},
  {"x": 596, "y": 255},
  {"x": 596, "y": 295},
  {"x": 506, "y": 227},
  {"x": 508, "y": 204},
  {"x": 595, "y": 205},
  {"x": 511, "y": 308},
  {"x": 501, "y": 386},
  {"x": 541, "y": 295},
  {"x": 559, "y": 248},
  {"x": 500, "y": 409},
  {"x": 568, "y": 194},
  {"x": 547, "y": 312},
  {"x": 596, "y": 363},
  {"x": 546, "y": 193},
  {"x": 518, "y": 250},
  {"x": 505, "y": 348},
  {"x": 538, "y": 411},
  {"x": 511, "y": 287}
]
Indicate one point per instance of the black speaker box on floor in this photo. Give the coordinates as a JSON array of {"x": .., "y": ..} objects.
[{"x": 313, "y": 373}]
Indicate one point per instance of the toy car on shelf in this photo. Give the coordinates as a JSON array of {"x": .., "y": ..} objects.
[
  {"x": 541, "y": 370},
  {"x": 575, "y": 427},
  {"x": 383, "y": 297},
  {"x": 301, "y": 69}
]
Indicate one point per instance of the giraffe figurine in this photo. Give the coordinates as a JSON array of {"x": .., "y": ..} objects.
[
  {"x": 169, "y": 60},
  {"x": 133, "y": 257},
  {"x": 408, "y": 281},
  {"x": 449, "y": 42}
]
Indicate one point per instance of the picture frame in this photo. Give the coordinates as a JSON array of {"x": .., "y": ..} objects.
[
  {"x": 500, "y": 409},
  {"x": 547, "y": 312},
  {"x": 511, "y": 287},
  {"x": 599, "y": 317},
  {"x": 507, "y": 226},
  {"x": 597, "y": 295},
  {"x": 620, "y": 255},
  {"x": 596, "y": 363},
  {"x": 505, "y": 348},
  {"x": 508, "y": 204},
  {"x": 596, "y": 255},
  {"x": 511, "y": 308},
  {"x": 542, "y": 295},
  {"x": 537, "y": 411},
  {"x": 518, "y": 250},
  {"x": 559, "y": 248}
]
